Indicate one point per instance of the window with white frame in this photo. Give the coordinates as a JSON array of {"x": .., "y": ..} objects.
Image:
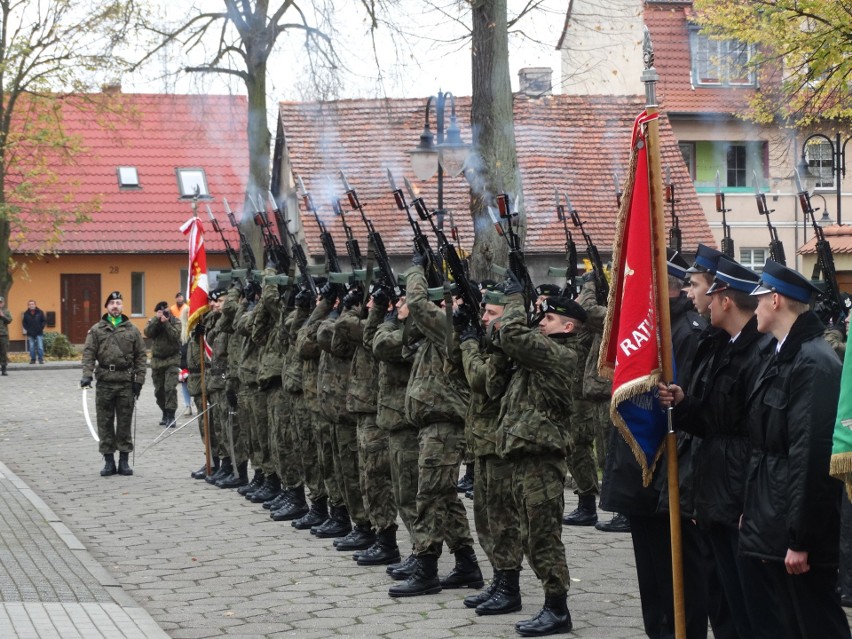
[
  {"x": 137, "y": 294},
  {"x": 191, "y": 181},
  {"x": 820, "y": 159},
  {"x": 754, "y": 258},
  {"x": 721, "y": 62},
  {"x": 687, "y": 150}
]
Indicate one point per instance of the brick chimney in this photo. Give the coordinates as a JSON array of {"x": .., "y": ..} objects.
[{"x": 535, "y": 81}]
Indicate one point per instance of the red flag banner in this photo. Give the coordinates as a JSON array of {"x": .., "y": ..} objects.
[
  {"x": 197, "y": 286},
  {"x": 630, "y": 349}
]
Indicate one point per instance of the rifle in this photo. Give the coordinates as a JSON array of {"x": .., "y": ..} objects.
[
  {"x": 352, "y": 247},
  {"x": 245, "y": 247},
  {"x": 776, "y": 248},
  {"x": 517, "y": 263},
  {"x": 570, "y": 252},
  {"x": 374, "y": 238},
  {"x": 825, "y": 259},
  {"x": 675, "y": 235},
  {"x": 464, "y": 288},
  {"x": 280, "y": 212},
  {"x": 601, "y": 283},
  {"x": 331, "y": 263},
  {"x": 273, "y": 248},
  {"x": 618, "y": 192},
  {"x": 727, "y": 241},
  {"x": 434, "y": 277},
  {"x": 233, "y": 258}
]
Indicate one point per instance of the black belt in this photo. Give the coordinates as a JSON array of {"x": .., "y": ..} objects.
[{"x": 112, "y": 368}]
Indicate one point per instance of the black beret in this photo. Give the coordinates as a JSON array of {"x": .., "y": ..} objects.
[
  {"x": 548, "y": 289},
  {"x": 564, "y": 306},
  {"x": 161, "y": 306},
  {"x": 115, "y": 295}
]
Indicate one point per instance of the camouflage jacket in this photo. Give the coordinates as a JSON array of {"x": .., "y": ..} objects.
[
  {"x": 193, "y": 357},
  {"x": 333, "y": 375},
  {"x": 291, "y": 369},
  {"x": 266, "y": 334},
  {"x": 394, "y": 372},
  {"x": 437, "y": 390},
  {"x": 249, "y": 361},
  {"x": 484, "y": 372},
  {"x": 594, "y": 386},
  {"x": 5, "y": 320},
  {"x": 232, "y": 310},
  {"x": 165, "y": 341},
  {"x": 216, "y": 372},
  {"x": 114, "y": 353},
  {"x": 350, "y": 332},
  {"x": 535, "y": 413},
  {"x": 309, "y": 351}
]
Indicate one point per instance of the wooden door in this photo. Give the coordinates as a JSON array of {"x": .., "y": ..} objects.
[{"x": 81, "y": 305}]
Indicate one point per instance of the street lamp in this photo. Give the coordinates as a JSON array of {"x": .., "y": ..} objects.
[
  {"x": 448, "y": 156},
  {"x": 838, "y": 162}
]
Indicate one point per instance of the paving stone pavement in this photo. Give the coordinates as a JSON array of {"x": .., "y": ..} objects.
[{"x": 203, "y": 562}]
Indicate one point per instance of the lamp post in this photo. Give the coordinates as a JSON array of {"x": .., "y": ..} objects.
[
  {"x": 838, "y": 162},
  {"x": 448, "y": 156}
]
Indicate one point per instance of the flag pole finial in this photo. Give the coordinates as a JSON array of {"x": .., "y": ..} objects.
[{"x": 649, "y": 75}]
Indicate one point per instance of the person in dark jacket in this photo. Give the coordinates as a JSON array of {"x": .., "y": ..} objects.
[
  {"x": 713, "y": 408},
  {"x": 33, "y": 323},
  {"x": 791, "y": 515}
]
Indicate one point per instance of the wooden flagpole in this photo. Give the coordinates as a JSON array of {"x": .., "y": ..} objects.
[
  {"x": 657, "y": 205},
  {"x": 202, "y": 354}
]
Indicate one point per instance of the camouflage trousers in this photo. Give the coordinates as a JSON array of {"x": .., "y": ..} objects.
[
  {"x": 226, "y": 420},
  {"x": 603, "y": 427},
  {"x": 539, "y": 484},
  {"x": 346, "y": 461},
  {"x": 199, "y": 407},
  {"x": 440, "y": 513},
  {"x": 376, "y": 483},
  {"x": 306, "y": 443},
  {"x": 403, "y": 453},
  {"x": 581, "y": 450},
  {"x": 324, "y": 433},
  {"x": 257, "y": 406},
  {"x": 498, "y": 524},
  {"x": 245, "y": 397},
  {"x": 165, "y": 379},
  {"x": 114, "y": 404},
  {"x": 286, "y": 458}
]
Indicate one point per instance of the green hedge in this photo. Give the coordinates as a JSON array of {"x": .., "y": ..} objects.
[{"x": 57, "y": 345}]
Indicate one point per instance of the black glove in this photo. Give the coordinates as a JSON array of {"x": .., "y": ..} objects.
[
  {"x": 232, "y": 399},
  {"x": 381, "y": 297},
  {"x": 303, "y": 298},
  {"x": 469, "y": 332},
  {"x": 328, "y": 292},
  {"x": 589, "y": 276},
  {"x": 419, "y": 259},
  {"x": 352, "y": 298},
  {"x": 86, "y": 382},
  {"x": 512, "y": 284},
  {"x": 137, "y": 388},
  {"x": 198, "y": 330},
  {"x": 461, "y": 318}
]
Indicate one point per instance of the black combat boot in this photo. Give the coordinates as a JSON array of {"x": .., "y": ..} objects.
[
  {"x": 165, "y": 419},
  {"x": 296, "y": 507},
  {"x": 472, "y": 601},
  {"x": 337, "y": 524},
  {"x": 254, "y": 484},
  {"x": 201, "y": 473},
  {"x": 407, "y": 564},
  {"x": 270, "y": 490},
  {"x": 384, "y": 551},
  {"x": 171, "y": 420},
  {"x": 123, "y": 467},
  {"x": 215, "y": 469},
  {"x": 280, "y": 500},
  {"x": 224, "y": 470},
  {"x": 466, "y": 573},
  {"x": 317, "y": 514},
  {"x": 585, "y": 514},
  {"x": 423, "y": 580},
  {"x": 3, "y": 370},
  {"x": 361, "y": 538},
  {"x": 466, "y": 482},
  {"x": 109, "y": 465},
  {"x": 506, "y": 597},
  {"x": 619, "y": 523},
  {"x": 552, "y": 619},
  {"x": 238, "y": 480}
]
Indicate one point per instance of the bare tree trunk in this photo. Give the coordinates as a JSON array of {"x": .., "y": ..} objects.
[
  {"x": 259, "y": 140},
  {"x": 495, "y": 168}
]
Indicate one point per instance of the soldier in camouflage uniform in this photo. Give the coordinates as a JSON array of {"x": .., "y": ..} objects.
[
  {"x": 293, "y": 505},
  {"x": 193, "y": 385},
  {"x": 534, "y": 429},
  {"x": 164, "y": 332},
  {"x": 498, "y": 527},
  {"x": 326, "y": 518},
  {"x": 394, "y": 372},
  {"x": 436, "y": 402},
  {"x": 376, "y": 486},
  {"x": 335, "y": 363},
  {"x": 114, "y": 355}
]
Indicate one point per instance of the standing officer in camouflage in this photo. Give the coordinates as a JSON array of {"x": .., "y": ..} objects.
[
  {"x": 5, "y": 320},
  {"x": 534, "y": 427},
  {"x": 114, "y": 355},
  {"x": 164, "y": 332}
]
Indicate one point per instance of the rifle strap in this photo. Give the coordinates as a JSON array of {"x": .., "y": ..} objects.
[{"x": 448, "y": 310}]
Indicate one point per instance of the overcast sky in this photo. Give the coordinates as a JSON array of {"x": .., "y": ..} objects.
[{"x": 427, "y": 56}]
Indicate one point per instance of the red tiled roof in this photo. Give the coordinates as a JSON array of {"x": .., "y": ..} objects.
[
  {"x": 567, "y": 142},
  {"x": 839, "y": 237},
  {"x": 157, "y": 134}
]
